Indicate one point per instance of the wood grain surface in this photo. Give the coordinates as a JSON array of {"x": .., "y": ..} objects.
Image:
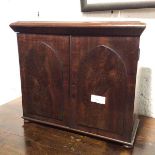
[
  {"x": 114, "y": 28},
  {"x": 63, "y": 64},
  {"x": 19, "y": 138}
]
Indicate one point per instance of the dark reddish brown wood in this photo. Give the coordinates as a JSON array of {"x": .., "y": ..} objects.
[
  {"x": 44, "y": 65},
  {"x": 104, "y": 66},
  {"x": 59, "y": 73},
  {"x": 80, "y": 28},
  {"x": 100, "y": 71}
]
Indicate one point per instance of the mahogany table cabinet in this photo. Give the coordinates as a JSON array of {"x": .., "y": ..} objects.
[{"x": 81, "y": 76}]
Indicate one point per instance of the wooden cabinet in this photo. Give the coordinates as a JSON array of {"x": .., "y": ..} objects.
[{"x": 81, "y": 76}]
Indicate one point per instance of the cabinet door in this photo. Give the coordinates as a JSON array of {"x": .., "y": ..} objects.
[
  {"x": 98, "y": 84},
  {"x": 44, "y": 66}
]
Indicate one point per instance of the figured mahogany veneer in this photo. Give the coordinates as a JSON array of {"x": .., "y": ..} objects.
[{"x": 63, "y": 64}]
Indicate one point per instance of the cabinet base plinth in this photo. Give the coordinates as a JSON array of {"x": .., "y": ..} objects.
[{"x": 126, "y": 144}]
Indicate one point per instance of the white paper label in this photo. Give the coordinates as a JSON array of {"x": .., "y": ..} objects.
[{"x": 98, "y": 99}]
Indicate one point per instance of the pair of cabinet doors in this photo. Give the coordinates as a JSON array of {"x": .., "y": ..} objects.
[{"x": 60, "y": 75}]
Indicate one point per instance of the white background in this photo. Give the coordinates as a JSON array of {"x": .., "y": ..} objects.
[{"x": 69, "y": 10}]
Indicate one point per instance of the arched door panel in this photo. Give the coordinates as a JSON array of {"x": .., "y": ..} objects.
[{"x": 100, "y": 77}]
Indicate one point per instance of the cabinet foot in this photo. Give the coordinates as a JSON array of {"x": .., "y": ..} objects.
[
  {"x": 127, "y": 146},
  {"x": 26, "y": 121}
]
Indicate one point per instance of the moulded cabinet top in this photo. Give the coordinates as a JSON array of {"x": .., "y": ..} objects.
[{"x": 119, "y": 28}]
